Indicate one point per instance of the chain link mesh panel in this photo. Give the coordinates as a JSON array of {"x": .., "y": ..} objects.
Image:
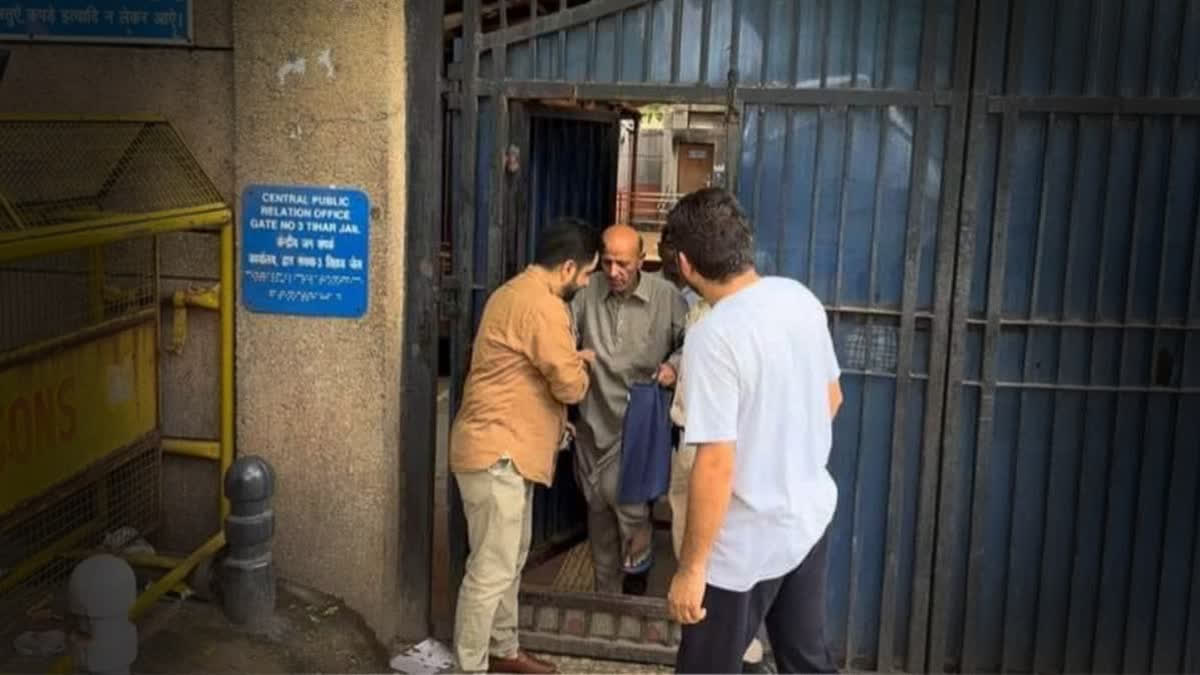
[
  {"x": 54, "y": 172},
  {"x": 50, "y": 296},
  {"x": 108, "y": 509}
]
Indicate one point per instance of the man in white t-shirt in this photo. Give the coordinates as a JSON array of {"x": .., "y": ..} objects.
[{"x": 761, "y": 390}]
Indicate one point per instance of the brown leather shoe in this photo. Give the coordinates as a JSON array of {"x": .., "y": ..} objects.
[{"x": 523, "y": 662}]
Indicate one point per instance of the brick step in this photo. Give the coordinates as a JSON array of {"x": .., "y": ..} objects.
[{"x": 597, "y": 626}]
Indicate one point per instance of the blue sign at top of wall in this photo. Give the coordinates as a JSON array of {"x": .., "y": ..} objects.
[{"x": 130, "y": 21}]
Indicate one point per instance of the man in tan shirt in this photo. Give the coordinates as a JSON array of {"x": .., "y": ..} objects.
[{"x": 524, "y": 371}]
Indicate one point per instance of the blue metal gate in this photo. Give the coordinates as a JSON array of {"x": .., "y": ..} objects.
[
  {"x": 1068, "y": 506},
  {"x": 997, "y": 201}
]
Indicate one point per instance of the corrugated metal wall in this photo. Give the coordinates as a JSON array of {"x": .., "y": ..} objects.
[
  {"x": 1069, "y": 499},
  {"x": 1022, "y": 374}
]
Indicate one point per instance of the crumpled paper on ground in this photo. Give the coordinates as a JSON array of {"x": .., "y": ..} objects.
[
  {"x": 44, "y": 643},
  {"x": 426, "y": 658}
]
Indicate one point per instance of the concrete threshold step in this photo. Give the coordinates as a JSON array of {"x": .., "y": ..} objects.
[{"x": 597, "y": 626}]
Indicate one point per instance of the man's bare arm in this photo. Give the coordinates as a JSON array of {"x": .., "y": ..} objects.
[
  {"x": 835, "y": 398},
  {"x": 708, "y": 498}
]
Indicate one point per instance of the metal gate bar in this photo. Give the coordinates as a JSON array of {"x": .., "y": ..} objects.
[{"x": 1053, "y": 615}]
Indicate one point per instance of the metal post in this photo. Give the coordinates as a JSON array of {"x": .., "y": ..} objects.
[
  {"x": 247, "y": 573},
  {"x": 101, "y": 590}
]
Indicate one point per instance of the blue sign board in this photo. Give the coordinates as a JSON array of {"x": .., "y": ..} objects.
[
  {"x": 304, "y": 250},
  {"x": 139, "y": 21}
]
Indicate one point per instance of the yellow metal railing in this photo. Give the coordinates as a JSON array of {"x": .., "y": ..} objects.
[{"x": 78, "y": 242}]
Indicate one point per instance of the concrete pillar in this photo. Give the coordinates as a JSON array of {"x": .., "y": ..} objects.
[{"x": 320, "y": 100}]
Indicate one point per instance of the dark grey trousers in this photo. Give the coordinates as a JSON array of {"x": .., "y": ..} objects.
[{"x": 793, "y": 607}]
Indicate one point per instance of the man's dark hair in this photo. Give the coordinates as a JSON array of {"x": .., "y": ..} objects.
[
  {"x": 567, "y": 239},
  {"x": 710, "y": 228}
]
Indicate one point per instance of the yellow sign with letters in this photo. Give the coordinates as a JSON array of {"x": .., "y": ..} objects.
[{"x": 64, "y": 412}]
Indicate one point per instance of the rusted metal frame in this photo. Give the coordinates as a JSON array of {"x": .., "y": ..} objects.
[
  {"x": 1193, "y": 617},
  {"x": 1110, "y": 325},
  {"x": 912, "y": 264},
  {"x": 856, "y": 516},
  {"x": 1174, "y": 451},
  {"x": 999, "y": 255},
  {"x": 881, "y": 375},
  {"x": 843, "y": 214},
  {"x": 878, "y": 206},
  {"x": 735, "y": 110},
  {"x": 1144, "y": 492},
  {"x": 553, "y": 23},
  {"x": 464, "y": 235},
  {"x": 1128, "y": 308},
  {"x": 500, "y": 51},
  {"x": 885, "y": 61},
  {"x": 983, "y": 440},
  {"x": 1026, "y": 377},
  {"x": 629, "y": 92},
  {"x": 735, "y": 43},
  {"x": 856, "y": 40},
  {"x": 1097, "y": 105},
  {"x": 592, "y": 48},
  {"x": 756, "y": 199},
  {"x": 707, "y": 94},
  {"x": 766, "y": 50},
  {"x": 794, "y": 50},
  {"x": 1043, "y": 656},
  {"x": 619, "y": 47},
  {"x": 676, "y": 40},
  {"x": 1093, "y": 374},
  {"x": 874, "y": 311},
  {"x": 948, "y": 532},
  {"x": 1192, "y": 624},
  {"x": 647, "y": 33},
  {"x": 1027, "y": 370},
  {"x": 705, "y": 29},
  {"x": 947, "y": 303},
  {"x": 814, "y": 202},
  {"x": 562, "y": 43},
  {"x": 826, "y": 9},
  {"x": 1040, "y": 647},
  {"x": 1092, "y": 388},
  {"x": 847, "y": 97},
  {"x": 1191, "y": 656},
  {"x": 496, "y": 226}
]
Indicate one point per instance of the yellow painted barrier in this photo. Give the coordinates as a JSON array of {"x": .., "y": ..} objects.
[
  {"x": 75, "y": 406},
  {"x": 87, "y": 261}
]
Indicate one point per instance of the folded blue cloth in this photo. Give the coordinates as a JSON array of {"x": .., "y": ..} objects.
[{"x": 645, "y": 445}]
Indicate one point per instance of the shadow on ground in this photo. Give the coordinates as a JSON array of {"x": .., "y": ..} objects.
[{"x": 312, "y": 633}]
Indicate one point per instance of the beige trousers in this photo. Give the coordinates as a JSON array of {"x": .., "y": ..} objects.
[
  {"x": 681, "y": 475},
  {"x": 498, "y": 504}
]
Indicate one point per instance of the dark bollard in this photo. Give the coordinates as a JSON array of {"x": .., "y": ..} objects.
[{"x": 247, "y": 574}]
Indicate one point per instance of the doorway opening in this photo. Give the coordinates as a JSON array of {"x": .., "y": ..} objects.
[{"x": 607, "y": 163}]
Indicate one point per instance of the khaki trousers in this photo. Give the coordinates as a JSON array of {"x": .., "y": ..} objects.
[{"x": 498, "y": 504}]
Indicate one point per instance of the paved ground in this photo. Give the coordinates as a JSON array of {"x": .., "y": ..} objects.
[{"x": 312, "y": 633}]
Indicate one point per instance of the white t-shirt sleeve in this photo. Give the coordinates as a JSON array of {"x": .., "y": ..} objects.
[
  {"x": 833, "y": 370},
  {"x": 710, "y": 389}
]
